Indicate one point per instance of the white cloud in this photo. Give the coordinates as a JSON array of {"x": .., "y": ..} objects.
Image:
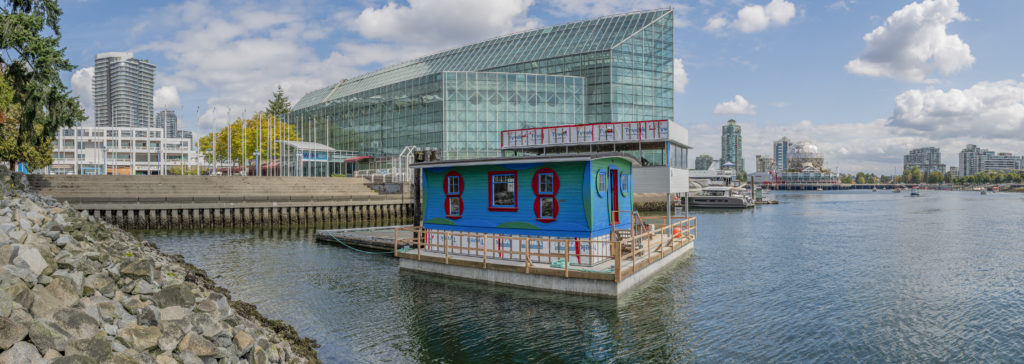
[
  {"x": 443, "y": 22},
  {"x": 716, "y": 24},
  {"x": 679, "y": 78},
  {"x": 166, "y": 97},
  {"x": 755, "y": 18},
  {"x": 81, "y": 86},
  {"x": 239, "y": 56},
  {"x": 738, "y": 106},
  {"x": 597, "y": 8},
  {"x": 985, "y": 110},
  {"x": 841, "y": 4},
  {"x": 913, "y": 43}
]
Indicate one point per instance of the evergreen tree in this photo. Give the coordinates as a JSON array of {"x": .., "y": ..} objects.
[
  {"x": 31, "y": 60},
  {"x": 279, "y": 105}
]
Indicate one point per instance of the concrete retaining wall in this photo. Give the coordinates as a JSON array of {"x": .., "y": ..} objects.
[{"x": 163, "y": 202}]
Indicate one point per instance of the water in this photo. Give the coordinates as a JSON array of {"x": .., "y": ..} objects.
[{"x": 823, "y": 276}]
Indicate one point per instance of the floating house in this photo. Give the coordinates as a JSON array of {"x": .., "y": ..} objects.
[{"x": 560, "y": 222}]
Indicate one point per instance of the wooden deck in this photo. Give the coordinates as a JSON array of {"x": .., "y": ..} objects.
[{"x": 626, "y": 257}]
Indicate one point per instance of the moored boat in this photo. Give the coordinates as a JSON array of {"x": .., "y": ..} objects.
[{"x": 721, "y": 197}]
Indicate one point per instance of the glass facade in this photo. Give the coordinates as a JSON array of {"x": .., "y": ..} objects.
[{"x": 616, "y": 68}]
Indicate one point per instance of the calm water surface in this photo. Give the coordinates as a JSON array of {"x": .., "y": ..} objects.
[{"x": 823, "y": 276}]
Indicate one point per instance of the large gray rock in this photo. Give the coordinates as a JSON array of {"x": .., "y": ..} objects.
[
  {"x": 172, "y": 332},
  {"x": 208, "y": 326},
  {"x": 134, "y": 304},
  {"x": 60, "y": 293},
  {"x": 101, "y": 283},
  {"x": 175, "y": 295},
  {"x": 64, "y": 240},
  {"x": 138, "y": 337},
  {"x": 46, "y": 334},
  {"x": 148, "y": 316},
  {"x": 11, "y": 332},
  {"x": 141, "y": 268},
  {"x": 20, "y": 353},
  {"x": 20, "y": 293},
  {"x": 28, "y": 257},
  {"x": 76, "y": 323},
  {"x": 74, "y": 359},
  {"x": 196, "y": 344},
  {"x": 129, "y": 356},
  {"x": 97, "y": 348},
  {"x": 143, "y": 286},
  {"x": 6, "y": 304},
  {"x": 243, "y": 341},
  {"x": 77, "y": 277},
  {"x": 173, "y": 313}
]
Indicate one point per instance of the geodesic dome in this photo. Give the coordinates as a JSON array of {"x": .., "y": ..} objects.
[{"x": 804, "y": 154}]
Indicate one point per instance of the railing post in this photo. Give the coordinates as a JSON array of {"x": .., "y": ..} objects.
[
  {"x": 396, "y": 242},
  {"x": 617, "y": 252},
  {"x": 420, "y": 240},
  {"x": 485, "y": 248},
  {"x": 528, "y": 261},
  {"x": 446, "y": 237},
  {"x": 565, "y": 246}
]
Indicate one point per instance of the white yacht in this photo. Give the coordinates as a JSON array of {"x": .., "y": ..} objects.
[{"x": 721, "y": 196}]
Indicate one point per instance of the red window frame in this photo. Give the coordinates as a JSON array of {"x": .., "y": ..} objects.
[
  {"x": 542, "y": 195},
  {"x": 449, "y": 195},
  {"x": 490, "y": 190}
]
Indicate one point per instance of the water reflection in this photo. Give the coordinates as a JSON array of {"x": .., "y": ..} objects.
[{"x": 822, "y": 276}]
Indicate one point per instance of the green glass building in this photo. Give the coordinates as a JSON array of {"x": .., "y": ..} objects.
[{"x": 610, "y": 69}]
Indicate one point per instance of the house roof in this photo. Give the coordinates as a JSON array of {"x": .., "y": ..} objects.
[{"x": 549, "y": 158}]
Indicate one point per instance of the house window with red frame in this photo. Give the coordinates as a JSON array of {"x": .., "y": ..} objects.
[
  {"x": 453, "y": 187},
  {"x": 502, "y": 192},
  {"x": 545, "y": 187}
]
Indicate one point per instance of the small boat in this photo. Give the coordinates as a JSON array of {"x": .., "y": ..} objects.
[
  {"x": 995, "y": 189},
  {"x": 983, "y": 192},
  {"x": 897, "y": 190},
  {"x": 819, "y": 189},
  {"x": 721, "y": 196},
  {"x": 874, "y": 189},
  {"x": 915, "y": 192}
]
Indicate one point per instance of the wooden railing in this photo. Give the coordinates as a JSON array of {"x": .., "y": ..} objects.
[{"x": 628, "y": 255}]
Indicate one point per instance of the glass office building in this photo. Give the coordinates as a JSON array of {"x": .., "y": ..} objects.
[{"x": 611, "y": 69}]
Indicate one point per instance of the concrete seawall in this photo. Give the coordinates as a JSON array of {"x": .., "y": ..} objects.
[{"x": 157, "y": 202}]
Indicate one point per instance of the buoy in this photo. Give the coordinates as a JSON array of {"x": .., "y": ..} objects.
[{"x": 677, "y": 231}]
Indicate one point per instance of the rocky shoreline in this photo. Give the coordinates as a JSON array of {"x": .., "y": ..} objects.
[{"x": 74, "y": 289}]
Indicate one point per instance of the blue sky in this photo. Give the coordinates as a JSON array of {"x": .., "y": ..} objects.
[{"x": 865, "y": 80}]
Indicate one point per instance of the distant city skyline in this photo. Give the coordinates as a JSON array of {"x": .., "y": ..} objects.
[{"x": 807, "y": 70}]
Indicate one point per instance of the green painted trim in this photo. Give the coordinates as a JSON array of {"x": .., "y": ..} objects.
[
  {"x": 517, "y": 225},
  {"x": 440, "y": 221}
]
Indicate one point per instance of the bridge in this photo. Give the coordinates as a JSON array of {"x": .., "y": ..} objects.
[{"x": 143, "y": 202}]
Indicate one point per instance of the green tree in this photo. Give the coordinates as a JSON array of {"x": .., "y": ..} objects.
[
  {"x": 860, "y": 179},
  {"x": 257, "y": 135},
  {"x": 31, "y": 60},
  {"x": 279, "y": 105},
  {"x": 915, "y": 175},
  {"x": 935, "y": 177}
]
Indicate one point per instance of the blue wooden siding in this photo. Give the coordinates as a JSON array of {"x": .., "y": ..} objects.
[
  {"x": 601, "y": 204},
  {"x": 571, "y": 220}
]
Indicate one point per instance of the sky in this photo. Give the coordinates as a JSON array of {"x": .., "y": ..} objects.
[{"x": 864, "y": 80}]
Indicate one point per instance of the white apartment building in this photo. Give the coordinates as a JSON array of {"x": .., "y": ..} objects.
[{"x": 120, "y": 151}]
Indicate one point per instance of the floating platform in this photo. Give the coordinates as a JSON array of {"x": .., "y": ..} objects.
[
  {"x": 376, "y": 238},
  {"x": 632, "y": 261}
]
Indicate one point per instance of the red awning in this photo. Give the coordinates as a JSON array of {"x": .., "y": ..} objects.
[{"x": 356, "y": 159}]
